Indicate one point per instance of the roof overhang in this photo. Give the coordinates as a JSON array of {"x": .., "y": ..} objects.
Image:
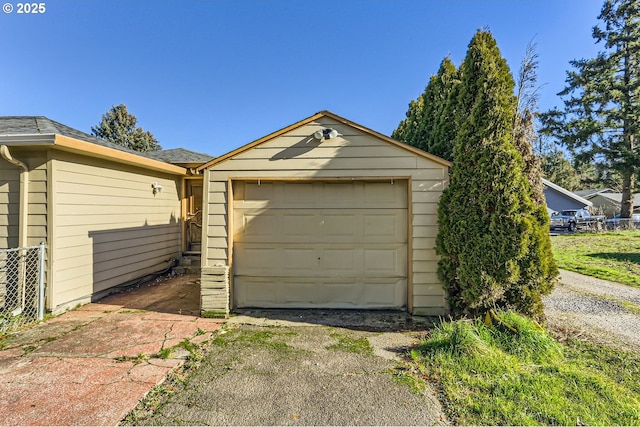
[
  {"x": 566, "y": 192},
  {"x": 65, "y": 143},
  {"x": 317, "y": 116}
]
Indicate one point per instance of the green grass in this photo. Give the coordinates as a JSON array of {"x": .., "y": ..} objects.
[
  {"x": 350, "y": 344},
  {"x": 609, "y": 256},
  {"x": 491, "y": 375},
  {"x": 272, "y": 339}
]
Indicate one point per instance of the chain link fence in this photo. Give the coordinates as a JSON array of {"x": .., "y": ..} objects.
[{"x": 21, "y": 286}]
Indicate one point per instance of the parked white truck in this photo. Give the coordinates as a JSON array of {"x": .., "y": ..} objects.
[{"x": 572, "y": 219}]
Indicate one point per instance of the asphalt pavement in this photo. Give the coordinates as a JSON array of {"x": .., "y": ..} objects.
[{"x": 305, "y": 368}]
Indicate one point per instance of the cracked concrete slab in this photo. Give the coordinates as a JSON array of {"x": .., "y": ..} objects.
[{"x": 92, "y": 365}]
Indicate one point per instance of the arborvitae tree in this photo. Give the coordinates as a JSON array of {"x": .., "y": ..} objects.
[
  {"x": 429, "y": 123},
  {"x": 407, "y": 130},
  {"x": 119, "y": 127},
  {"x": 601, "y": 117},
  {"x": 492, "y": 251},
  {"x": 441, "y": 139}
]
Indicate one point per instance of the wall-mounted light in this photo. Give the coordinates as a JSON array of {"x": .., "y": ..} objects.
[
  {"x": 326, "y": 133},
  {"x": 157, "y": 188}
]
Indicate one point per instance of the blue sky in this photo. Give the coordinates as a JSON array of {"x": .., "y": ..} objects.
[{"x": 214, "y": 75}]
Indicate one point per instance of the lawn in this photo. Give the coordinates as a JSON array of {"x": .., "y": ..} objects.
[
  {"x": 514, "y": 373},
  {"x": 609, "y": 256}
]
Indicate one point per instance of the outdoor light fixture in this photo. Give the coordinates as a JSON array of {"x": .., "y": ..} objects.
[
  {"x": 157, "y": 188},
  {"x": 326, "y": 133}
]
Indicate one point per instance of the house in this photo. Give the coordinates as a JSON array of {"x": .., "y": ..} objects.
[
  {"x": 324, "y": 213},
  {"x": 559, "y": 198},
  {"x": 108, "y": 215},
  {"x": 610, "y": 203},
  {"x": 587, "y": 194}
]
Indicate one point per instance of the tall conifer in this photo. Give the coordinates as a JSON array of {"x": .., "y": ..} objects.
[
  {"x": 489, "y": 237},
  {"x": 429, "y": 121}
]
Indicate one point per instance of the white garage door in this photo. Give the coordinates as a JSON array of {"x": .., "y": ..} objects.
[{"x": 320, "y": 244}]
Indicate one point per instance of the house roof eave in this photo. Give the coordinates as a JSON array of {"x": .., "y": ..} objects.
[
  {"x": 317, "y": 116},
  {"x": 89, "y": 149},
  {"x": 566, "y": 192}
]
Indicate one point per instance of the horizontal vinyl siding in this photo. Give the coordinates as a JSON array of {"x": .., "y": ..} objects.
[
  {"x": 352, "y": 155},
  {"x": 9, "y": 204},
  {"x": 10, "y": 198},
  {"x": 109, "y": 226}
]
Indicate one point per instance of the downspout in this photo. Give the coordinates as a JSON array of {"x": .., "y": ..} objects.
[{"x": 24, "y": 195}]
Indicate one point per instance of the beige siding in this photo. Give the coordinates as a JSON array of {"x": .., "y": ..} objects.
[
  {"x": 354, "y": 154},
  {"x": 109, "y": 227},
  {"x": 9, "y": 204},
  {"x": 10, "y": 198}
]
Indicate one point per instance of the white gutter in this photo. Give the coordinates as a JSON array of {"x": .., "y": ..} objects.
[{"x": 24, "y": 194}]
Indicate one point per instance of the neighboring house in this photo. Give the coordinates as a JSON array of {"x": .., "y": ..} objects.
[
  {"x": 610, "y": 203},
  {"x": 108, "y": 215},
  {"x": 587, "y": 194},
  {"x": 559, "y": 199},
  {"x": 324, "y": 213}
]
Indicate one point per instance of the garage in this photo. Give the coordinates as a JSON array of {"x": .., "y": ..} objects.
[
  {"x": 324, "y": 213},
  {"x": 320, "y": 244}
]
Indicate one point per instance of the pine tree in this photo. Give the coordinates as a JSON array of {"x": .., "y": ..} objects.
[
  {"x": 490, "y": 241},
  {"x": 429, "y": 120},
  {"x": 557, "y": 169},
  {"x": 601, "y": 117},
  {"x": 119, "y": 127}
]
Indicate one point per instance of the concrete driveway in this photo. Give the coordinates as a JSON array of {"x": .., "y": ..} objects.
[
  {"x": 304, "y": 368},
  {"x": 92, "y": 365}
]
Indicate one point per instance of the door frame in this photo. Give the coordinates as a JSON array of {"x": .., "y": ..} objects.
[{"x": 187, "y": 205}]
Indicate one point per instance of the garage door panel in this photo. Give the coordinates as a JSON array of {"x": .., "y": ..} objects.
[
  {"x": 340, "y": 227},
  {"x": 358, "y": 226},
  {"x": 321, "y": 245},
  {"x": 297, "y": 293},
  {"x": 305, "y": 293},
  {"x": 340, "y": 261},
  {"x": 384, "y": 193},
  {"x": 297, "y": 194},
  {"x": 385, "y": 262},
  {"x": 297, "y": 226},
  {"x": 379, "y": 294},
  {"x": 258, "y": 226},
  {"x": 387, "y": 227},
  {"x": 256, "y": 192},
  {"x": 321, "y": 261},
  {"x": 338, "y": 194},
  {"x": 264, "y": 261},
  {"x": 299, "y": 261}
]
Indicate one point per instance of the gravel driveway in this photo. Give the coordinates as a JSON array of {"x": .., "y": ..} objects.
[{"x": 605, "y": 312}]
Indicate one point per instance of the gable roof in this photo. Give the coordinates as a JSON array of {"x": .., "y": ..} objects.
[
  {"x": 593, "y": 192},
  {"x": 42, "y": 131},
  {"x": 180, "y": 155},
  {"x": 617, "y": 197},
  {"x": 40, "y": 125},
  {"x": 317, "y": 116},
  {"x": 566, "y": 192}
]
